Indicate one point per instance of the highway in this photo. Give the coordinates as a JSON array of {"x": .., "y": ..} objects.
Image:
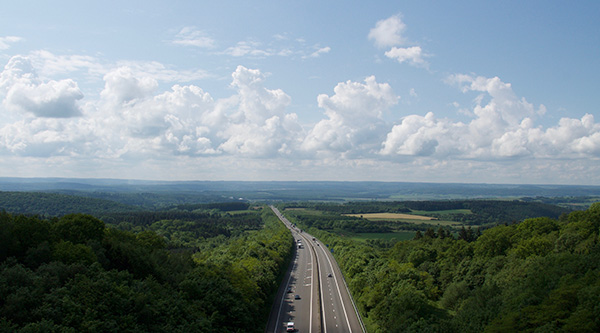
[{"x": 323, "y": 302}]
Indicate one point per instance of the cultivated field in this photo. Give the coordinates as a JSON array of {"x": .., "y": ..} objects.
[{"x": 407, "y": 218}]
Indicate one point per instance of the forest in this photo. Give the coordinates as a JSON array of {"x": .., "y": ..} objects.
[
  {"x": 200, "y": 272},
  {"x": 541, "y": 274},
  {"x": 214, "y": 266},
  {"x": 481, "y": 212}
]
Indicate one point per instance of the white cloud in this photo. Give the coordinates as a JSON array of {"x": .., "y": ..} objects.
[
  {"x": 354, "y": 124},
  {"x": 6, "y": 41},
  {"x": 132, "y": 121},
  {"x": 49, "y": 64},
  {"x": 187, "y": 121},
  {"x": 416, "y": 135},
  {"x": 413, "y": 55},
  {"x": 502, "y": 128},
  {"x": 247, "y": 48},
  {"x": 123, "y": 86},
  {"x": 258, "y": 125},
  {"x": 388, "y": 32},
  {"x": 190, "y": 36},
  {"x": 318, "y": 52},
  {"x": 162, "y": 72},
  {"x": 25, "y": 92}
]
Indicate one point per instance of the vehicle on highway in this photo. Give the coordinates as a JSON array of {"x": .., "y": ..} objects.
[
  {"x": 290, "y": 327},
  {"x": 329, "y": 275}
]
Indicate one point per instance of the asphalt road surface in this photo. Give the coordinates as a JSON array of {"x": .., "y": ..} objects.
[{"x": 313, "y": 294}]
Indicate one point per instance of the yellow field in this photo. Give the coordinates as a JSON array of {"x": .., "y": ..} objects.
[{"x": 394, "y": 216}]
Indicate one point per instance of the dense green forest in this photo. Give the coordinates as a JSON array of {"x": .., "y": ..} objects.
[
  {"x": 194, "y": 273},
  {"x": 56, "y": 204},
  {"x": 49, "y": 204},
  {"x": 138, "y": 264},
  {"x": 539, "y": 275}
]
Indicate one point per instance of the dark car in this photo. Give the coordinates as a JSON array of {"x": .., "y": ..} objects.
[{"x": 296, "y": 296}]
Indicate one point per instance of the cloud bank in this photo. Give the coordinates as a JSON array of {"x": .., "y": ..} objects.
[
  {"x": 130, "y": 121},
  {"x": 150, "y": 120}
]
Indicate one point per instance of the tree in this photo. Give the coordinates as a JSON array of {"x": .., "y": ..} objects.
[
  {"x": 79, "y": 228},
  {"x": 429, "y": 233}
]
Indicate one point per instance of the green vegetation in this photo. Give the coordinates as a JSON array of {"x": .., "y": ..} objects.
[
  {"x": 539, "y": 275},
  {"x": 475, "y": 213},
  {"x": 164, "y": 262},
  {"x": 55, "y": 204},
  {"x": 197, "y": 273},
  {"x": 387, "y": 236}
]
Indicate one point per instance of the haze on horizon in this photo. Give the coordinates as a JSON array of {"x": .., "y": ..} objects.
[{"x": 464, "y": 91}]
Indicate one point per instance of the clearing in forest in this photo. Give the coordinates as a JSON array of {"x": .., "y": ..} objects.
[{"x": 392, "y": 216}]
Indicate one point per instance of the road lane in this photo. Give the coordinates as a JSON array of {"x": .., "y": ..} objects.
[
  {"x": 331, "y": 308},
  {"x": 300, "y": 280}
]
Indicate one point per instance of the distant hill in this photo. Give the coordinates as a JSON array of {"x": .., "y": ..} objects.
[
  {"x": 137, "y": 192},
  {"x": 56, "y": 204}
]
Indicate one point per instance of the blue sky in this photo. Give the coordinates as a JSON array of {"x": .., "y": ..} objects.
[{"x": 462, "y": 91}]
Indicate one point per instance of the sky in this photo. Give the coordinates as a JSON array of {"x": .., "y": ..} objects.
[{"x": 418, "y": 91}]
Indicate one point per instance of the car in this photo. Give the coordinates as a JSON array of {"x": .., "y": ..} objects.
[
  {"x": 290, "y": 327},
  {"x": 296, "y": 296},
  {"x": 329, "y": 275},
  {"x": 289, "y": 289}
]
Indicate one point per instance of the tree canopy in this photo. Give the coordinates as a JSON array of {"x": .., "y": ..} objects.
[{"x": 539, "y": 275}]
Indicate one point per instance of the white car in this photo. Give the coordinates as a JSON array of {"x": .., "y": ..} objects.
[{"x": 290, "y": 327}]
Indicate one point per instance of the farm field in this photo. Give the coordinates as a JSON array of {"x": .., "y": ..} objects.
[
  {"x": 408, "y": 218},
  {"x": 391, "y": 216}
]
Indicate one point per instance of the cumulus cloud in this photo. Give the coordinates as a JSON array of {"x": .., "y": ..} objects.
[
  {"x": 258, "y": 125},
  {"x": 123, "y": 86},
  {"x": 413, "y": 55},
  {"x": 416, "y": 135},
  {"x": 502, "y": 127},
  {"x": 25, "y": 92},
  {"x": 187, "y": 121},
  {"x": 388, "y": 32},
  {"x": 134, "y": 119},
  {"x": 354, "y": 117},
  {"x": 190, "y": 36}
]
